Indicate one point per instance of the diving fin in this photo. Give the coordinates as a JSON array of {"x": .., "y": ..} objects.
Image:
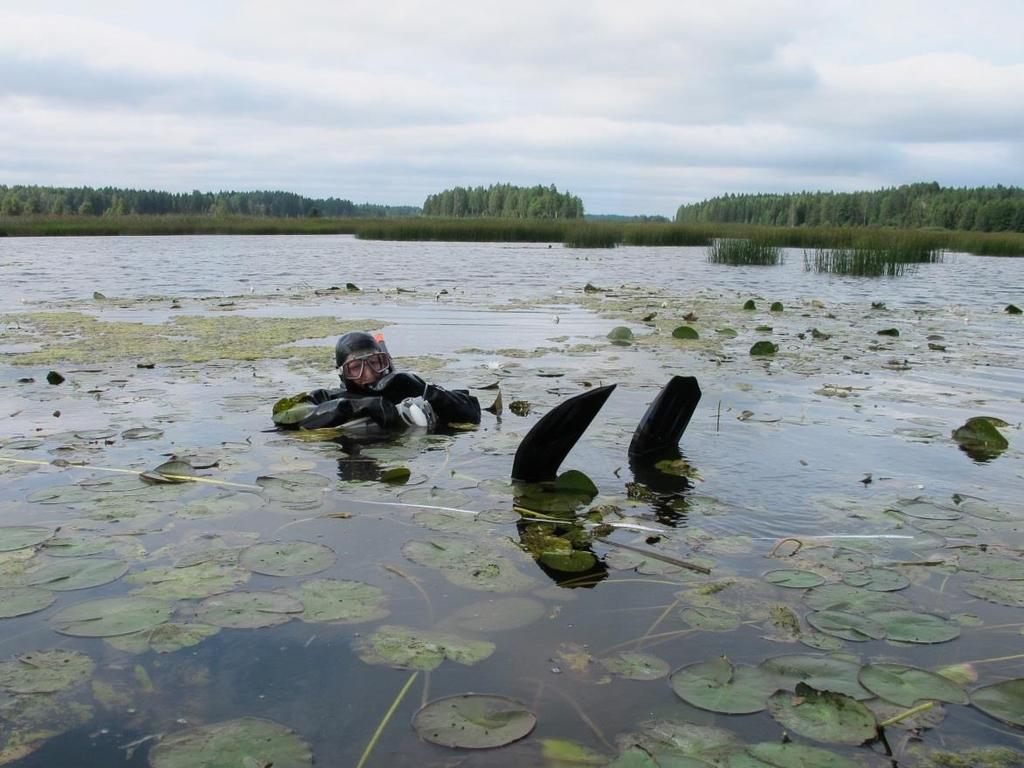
[
  {"x": 667, "y": 418},
  {"x": 546, "y": 445}
]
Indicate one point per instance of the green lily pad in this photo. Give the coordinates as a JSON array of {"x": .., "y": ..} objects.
[
  {"x": 292, "y": 492},
  {"x": 719, "y": 686},
  {"x": 249, "y": 610},
  {"x": 636, "y": 666},
  {"x": 825, "y": 673},
  {"x": 287, "y": 558},
  {"x": 164, "y": 638},
  {"x": 111, "y": 616},
  {"x": 888, "y": 332},
  {"x": 396, "y": 475},
  {"x": 572, "y": 561},
  {"x": 877, "y": 579},
  {"x": 983, "y": 509},
  {"x": 823, "y": 715},
  {"x": 562, "y": 753},
  {"x": 500, "y": 614},
  {"x": 729, "y": 333},
  {"x": 926, "y": 509},
  {"x": 620, "y": 333},
  {"x": 286, "y": 417},
  {"x": 14, "y": 537},
  {"x": 992, "y": 566},
  {"x": 685, "y": 332},
  {"x": 848, "y": 626},
  {"x": 142, "y": 433},
  {"x": 470, "y": 565},
  {"x": 763, "y": 348},
  {"x": 437, "y": 497},
  {"x": 473, "y": 721},
  {"x": 843, "y": 597},
  {"x": 77, "y": 545},
  {"x": 980, "y": 438},
  {"x": 1003, "y": 701},
  {"x": 221, "y": 505},
  {"x": 173, "y": 471},
  {"x": 913, "y": 627},
  {"x": 21, "y": 601},
  {"x": 78, "y": 573},
  {"x": 1000, "y": 592},
  {"x": 673, "y": 743},
  {"x": 795, "y": 579},
  {"x": 241, "y": 743},
  {"x": 769, "y": 754},
  {"x": 45, "y": 671},
  {"x": 905, "y": 685},
  {"x": 196, "y": 581},
  {"x": 749, "y": 305},
  {"x": 710, "y": 618},
  {"x": 408, "y": 648},
  {"x": 340, "y": 602}
]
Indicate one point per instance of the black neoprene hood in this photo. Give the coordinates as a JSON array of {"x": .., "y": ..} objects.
[{"x": 354, "y": 343}]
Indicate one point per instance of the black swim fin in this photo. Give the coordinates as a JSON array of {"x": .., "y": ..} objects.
[
  {"x": 546, "y": 445},
  {"x": 666, "y": 419}
]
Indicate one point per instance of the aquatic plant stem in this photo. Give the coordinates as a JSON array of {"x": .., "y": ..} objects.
[
  {"x": 661, "y": 618},
  {"x": 901, "y": 716},
  {"x": 419, "y": 587},
  {"x": 994, "y": 659},
  {"x": 387, "y": 716},
  {"x": 657, "y": 556},
  {"x": 181, "y": 478},
  {"x": 594, "y": 728}
]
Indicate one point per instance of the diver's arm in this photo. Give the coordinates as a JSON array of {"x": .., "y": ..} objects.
[
  {"x": 455, "y": 406},
  {"x": 323, "y": 395}
]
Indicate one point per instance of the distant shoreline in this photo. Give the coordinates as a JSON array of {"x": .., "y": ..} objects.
[{"x": 571, "y": 232}]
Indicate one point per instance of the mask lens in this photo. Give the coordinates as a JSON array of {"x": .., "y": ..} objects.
[{"x": 378, "y": 362}]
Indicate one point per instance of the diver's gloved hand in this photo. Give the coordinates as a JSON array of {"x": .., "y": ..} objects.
[
  {"x": 321, "y": 395},
  {"x": 381, "y": 410},
  {"x": 399, "y": 385}
]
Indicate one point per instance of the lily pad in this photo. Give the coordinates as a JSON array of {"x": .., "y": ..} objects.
[
  {"x": 719, "y": 686},
  {"x": 1000, "y": 592},
  {"x": 287, "y": 558},
  {"x": 979, "y": 438},
  {"x": 173, "y": 471},
  {"x": 992, "y": 567},
  {"x": 848, "y": 626},
  {"x": 823, "y": 715},
  {"x": 249, "y": 610},
  {"x": 14, "y": 537},
  {"x": 340, "y": 602},
  {"x": 729, "y": 333},
  {"x": 142, "y": 433},
  {"x": 466, "y": 564},
  {"x": 905, "y": 685},
  {"x": 620, "y": 334},
  {"x": 685, "y": 332},
  {"x": 164, "y": 638},
  {"x": 408, "y": 648},
  {"x": 636, "y": 666},
  {"x": 710, "y": 618},
  {"x": 196, "y": 581},
  {"x": 788, "y": 755},
  {"x": 761, "y": 348},
  {"x": 926, "y": 509},
  {"x": 843, "y": 597},
  {"x": 914, "y": 627},
  {"x": 675, "y": 743},
  {"x": 562, "y": 753},
  {"x": 983, "y": 509},
  {"x": 473, "y": 721},
  {"x": 45, "y": 671},
  {"x": 111, "y": 616},
  {"x": 825, "y": 673},
  {"x": 877, "y": 579},
  {"x": 78, "y": 573},
  {"x": 795, "y": 579},
  {"x": 499, "y": 615},
  {"x": 1003, "y": 701},
  {"x": 21, "y": 601},
  {"x": 244, "y": 742}
]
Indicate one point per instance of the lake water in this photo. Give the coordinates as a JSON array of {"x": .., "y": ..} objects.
[{"x": 833, "y": 457}]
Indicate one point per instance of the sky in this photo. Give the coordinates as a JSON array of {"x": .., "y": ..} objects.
[{"x": 636, "y": 107}]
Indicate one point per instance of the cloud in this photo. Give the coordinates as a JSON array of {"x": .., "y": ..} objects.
[{"x": 636, "y": 107}]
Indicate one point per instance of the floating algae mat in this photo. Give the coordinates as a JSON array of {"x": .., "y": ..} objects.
[{"x": 180, "y": 582}]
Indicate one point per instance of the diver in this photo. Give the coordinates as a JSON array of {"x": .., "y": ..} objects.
[{"x": 373, "y": 393}]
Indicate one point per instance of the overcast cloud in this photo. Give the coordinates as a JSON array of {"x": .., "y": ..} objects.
[{"x": 636, "y": 107}]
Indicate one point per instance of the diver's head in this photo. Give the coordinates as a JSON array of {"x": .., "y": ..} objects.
[{"x": 361, "y": 360}]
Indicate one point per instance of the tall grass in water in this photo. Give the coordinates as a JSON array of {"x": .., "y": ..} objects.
[
  {"x": 891, "y": 261},
  {"x": 744, "y": 251},
  {"x": 666, "y": 234},
  {"x": 592, "y": 236}
]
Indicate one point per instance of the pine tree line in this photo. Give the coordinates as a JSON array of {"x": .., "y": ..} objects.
[
  {"x": 982, "y": 209},
  {"x": 504, "y": 201},
  {"x": 112, "y": 201}
]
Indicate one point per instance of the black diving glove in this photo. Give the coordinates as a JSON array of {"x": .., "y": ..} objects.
[
  {"x": 381, "y": 410},
  {"x": 400, "y": 385},
  {"x": 333, "y": 413}
]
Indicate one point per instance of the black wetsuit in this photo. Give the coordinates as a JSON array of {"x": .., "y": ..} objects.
[{"x": 349, "y": 401}]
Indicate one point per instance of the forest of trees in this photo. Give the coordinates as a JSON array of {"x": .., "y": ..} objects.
[
  {"x": 982, "y": 209},
  {"x": 110, "y": 201},
  {"x": 505, "y": 201}
]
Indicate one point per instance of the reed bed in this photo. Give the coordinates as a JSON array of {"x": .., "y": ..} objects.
[
  {"x": 889, "y": 261},
  {"x": 568, "y": 231},
  {"x": 744, "y": 252}
]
